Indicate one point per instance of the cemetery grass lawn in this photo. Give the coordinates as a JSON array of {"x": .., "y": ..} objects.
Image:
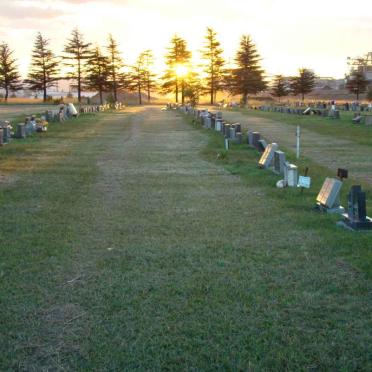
[
  {"x": 128, "y": 244},
  {"x": 342, "y": 128}
]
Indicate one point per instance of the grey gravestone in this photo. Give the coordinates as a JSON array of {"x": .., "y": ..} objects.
[
  {"x": 232, "y": 132},
  {"x": 1, "y": 136},
  {"x": 238, "y": 138},
  {"x": 356, "y": 218},
  {"x": 290, "y": 175},
  {"x": 279, "y": 162},
  {"x": 334, "y": 114},
  {"x": 255, "y": 138},
  {"x": 6, "y": 134},
  {"x": 226, "y": 130},
  {"x": 328, "y": 198},
  {"x": 21, "y": 131},
  {"x": 218, "y": 126},
  {"x": 368, "y": 120},
  {"x": 238, "y": 127},
  {"x": 268, "y": 156}
]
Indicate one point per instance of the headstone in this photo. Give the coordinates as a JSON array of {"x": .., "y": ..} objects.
[
  {"x": 254, "y": 137},
  {"x": 238, "y": 138},
  {"x": 226, "y": 130},
  {"x": 368, "y": 120},
  {"x": 328, "y": 198},
  {"x": 218, "y": 126},
  {"x": 268, "y": 156},
  {"x": 279, "y": 162},
  {"x": 21, "y": 131},
  {"x": 232, "y": 132},
  {"x": 226, "y": 143},
  {"x": 290, "y": 175},
  {"x": 6, "y": 134},
  {"x": 1, "y": 136},
  {"x": 334, "y": 114},
  {"x": 356, "y": 218}
]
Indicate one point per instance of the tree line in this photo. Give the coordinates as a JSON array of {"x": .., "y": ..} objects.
[{"x": 101, "y": 69}]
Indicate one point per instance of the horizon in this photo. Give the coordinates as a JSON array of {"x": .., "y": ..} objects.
[{"x": 285, "y": 36}]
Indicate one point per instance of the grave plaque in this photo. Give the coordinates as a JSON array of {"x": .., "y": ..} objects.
[
  {"x": 279, "y": 162},
  {"x": 268, "y": 156},
  {"x": 328, "y": 198}
]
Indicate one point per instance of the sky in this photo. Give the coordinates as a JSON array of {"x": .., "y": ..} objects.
[{"x": 288, "y": 34}]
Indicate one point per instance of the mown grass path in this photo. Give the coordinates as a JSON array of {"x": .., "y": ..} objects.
[
  {"x": 125, "y": 249},
  {"x": 329, "y": 150}
]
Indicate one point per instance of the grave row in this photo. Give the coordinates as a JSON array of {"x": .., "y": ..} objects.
[
  {"x": 331, "y": 113},
  {"x": 33, "y": 124},
  {"x": 358, "y": 118},
  {"x": 274, "y": 159}
]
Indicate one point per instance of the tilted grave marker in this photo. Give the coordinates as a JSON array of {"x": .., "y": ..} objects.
[
  {"x": 268, "y": 156},
  {"x": 328, "y": 198}
]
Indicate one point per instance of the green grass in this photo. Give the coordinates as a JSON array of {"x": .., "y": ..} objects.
[
  {"x": 130, "y": 247},
  {"x": 342, "y": 128}
]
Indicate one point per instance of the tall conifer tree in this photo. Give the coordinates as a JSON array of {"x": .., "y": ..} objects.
[
  {"x": 9, "y": 75},
  {"x": 178, "y": 57},
  {"x": 44, "y": 71},
  {"x": 115, "y": 65},
  {"x": 212, "y": 54},
  {"x": 77, "y": 52},
  {"x": 247, "y": 77}
]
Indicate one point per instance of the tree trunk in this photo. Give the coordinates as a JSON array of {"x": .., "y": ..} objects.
[
  {"x": 303, "y": 96},
  {"x": 6, "y": 93},
  {"x": 139, "y": 95},
  {"x": 148, "y": 91},
  {"x": 177, "y": 91},
  {"x": 357, "y": 94},
  {"x": 44, "y": 93},
  {"x": 100, "y": 96},
  {"x": 183, "y": 91},
  {"x": 245, "y": 99}
]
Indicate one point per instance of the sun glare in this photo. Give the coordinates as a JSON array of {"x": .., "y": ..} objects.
[{"x": 181, "y": 71}]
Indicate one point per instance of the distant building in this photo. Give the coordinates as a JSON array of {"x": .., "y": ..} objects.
[{"x": 362, "y": 64}]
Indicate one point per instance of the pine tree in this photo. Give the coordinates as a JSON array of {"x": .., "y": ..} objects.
[
  {"x": 77, "y": 52},
  {"x": 116, "y": 64},
  {"x": 137, "y": 77},
  {"x": 98, "y": 72},
  {"x": 212, "y": 54},
  {"x": 176, "y": 60},
  {"x": 247, "y": 77},
  {"x": 280, "y": 87},
  {"x": 44, "y": 67},
  {"x": 149, "y": 76},
  {"x": 9, "y": 75},
  {"x": 303, "y": 83},
  {"x": 357, "y": 83}
]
